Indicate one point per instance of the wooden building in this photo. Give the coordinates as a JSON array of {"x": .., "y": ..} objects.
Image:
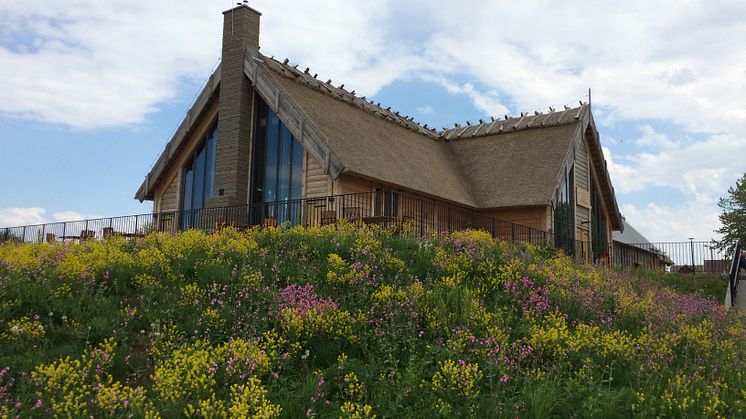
[{"x": 263, "y": 131}]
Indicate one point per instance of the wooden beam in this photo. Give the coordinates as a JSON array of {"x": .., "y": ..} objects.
[{"x": 296, "y": 122}]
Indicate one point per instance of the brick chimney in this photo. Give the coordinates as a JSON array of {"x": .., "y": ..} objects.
[{"x": 240, "y": 31}]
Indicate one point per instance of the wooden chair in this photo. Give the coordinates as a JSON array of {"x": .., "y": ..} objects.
[
  {"x": 328, "y": 217},
  {"x": 87, "y": 235},
  {"x": 269, "y": 222},
  {"x": 351, "y": 213}
]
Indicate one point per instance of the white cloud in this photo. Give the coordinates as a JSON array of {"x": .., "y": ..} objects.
[
  {"x": 91, "y": 64},
  {"x": 348, "y": 41},
  {"x": 700, "y": 169},
  {"x": 662, "y": 60},
  {"x": 661, "y": 223},
  {"x": 69, "y": 216},
  {"x": 488, "y": 102},
  {"x": 10, "y": 217},
  {"x": 426, "y": 110}
]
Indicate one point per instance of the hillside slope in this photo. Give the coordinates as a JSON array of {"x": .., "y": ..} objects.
[{"x": 348, "y": 322}]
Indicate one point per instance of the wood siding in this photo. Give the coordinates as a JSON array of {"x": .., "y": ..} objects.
[
  {"x": 534, "y": 217},
  {"x": 317, "y": 183},
  {"x": 582, "y": 182},
  {"x": 346, "y": 184},
  {"x": 169, "y": 200}
]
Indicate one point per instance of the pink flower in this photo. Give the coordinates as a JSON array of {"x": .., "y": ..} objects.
[
  {"x": 38, "y": 403},
  {"x": 504, "y": 379},
  {"x": 309, "y": 412}
]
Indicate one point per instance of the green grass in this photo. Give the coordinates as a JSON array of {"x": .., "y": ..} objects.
[{"x": 706, "y": 285}]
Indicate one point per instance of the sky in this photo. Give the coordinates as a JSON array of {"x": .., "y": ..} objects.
[{"x": 91, "y": 91}]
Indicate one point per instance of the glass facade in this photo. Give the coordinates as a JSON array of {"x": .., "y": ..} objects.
[
  {"x": 199, "y": 178},
  {"x": 564, "y": 212},
  {"x": 277, "y": 169},
  {"x": 599, "y": 228}
]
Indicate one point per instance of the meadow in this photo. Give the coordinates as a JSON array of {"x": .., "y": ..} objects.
[{"x": 352, "y": 322}]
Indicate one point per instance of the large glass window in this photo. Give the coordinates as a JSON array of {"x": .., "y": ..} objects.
[
  {"x": 564, "y": 214},
  {"x": 277, "y": 174},
  {"x": 199, "y": 178},
  {"x": 599, "y": 232}
]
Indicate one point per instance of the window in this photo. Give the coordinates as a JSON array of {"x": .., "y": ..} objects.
[
  {"x": 277, "y": 169},
  {"x": 564, "y": 212},
  {"x": 387, "y": 203},
  {"x": 599, "y": 233},
  {"x": 199, "y": 178}
]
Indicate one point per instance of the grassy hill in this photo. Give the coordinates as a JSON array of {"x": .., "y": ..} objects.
[{"x": 348, "y": 322}]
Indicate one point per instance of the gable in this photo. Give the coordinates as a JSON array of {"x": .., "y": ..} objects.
[{"x": 515, "y": 169}]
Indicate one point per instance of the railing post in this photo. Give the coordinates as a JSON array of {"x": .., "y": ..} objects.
[
  {"x": 512, "y": 233},
  {"x": 422, "y": 217}
]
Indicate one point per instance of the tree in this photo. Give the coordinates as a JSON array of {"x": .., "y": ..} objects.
[{"x": 733, "y": 217}]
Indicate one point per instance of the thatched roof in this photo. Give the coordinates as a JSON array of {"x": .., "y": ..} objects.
[
  {"x": 498, "y": 163},
  {"x": 379, "y": 149},
  {"x": 514, "y": 169}
]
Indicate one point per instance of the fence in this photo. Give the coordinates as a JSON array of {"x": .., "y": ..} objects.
[
  {"x": 687, "y": 256},
  {"x": 388, "y": 209},
  {"x": 414, "y": 214}
]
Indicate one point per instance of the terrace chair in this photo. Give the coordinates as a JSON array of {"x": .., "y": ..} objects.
[
  {"x": 328, "y": 217},
  {"x": 351, "y": 213},
  {"x": 87, "y": 234}
]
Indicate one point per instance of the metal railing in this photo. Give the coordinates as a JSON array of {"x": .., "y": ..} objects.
[
  {"x": 389, "y": 209},
  {"x": 686, "y": 256},
  {"x": 410, "y": 214}
]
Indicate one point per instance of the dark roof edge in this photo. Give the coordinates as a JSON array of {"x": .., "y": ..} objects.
[
  {"x": 243, "y": 6},
  {"x": 145, "y": 191}
]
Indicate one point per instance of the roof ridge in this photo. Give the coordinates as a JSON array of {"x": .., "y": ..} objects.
[{"x": 483, "y": 128}]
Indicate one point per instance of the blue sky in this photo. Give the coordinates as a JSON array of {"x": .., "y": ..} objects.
[{"x": 91, "y": 91}]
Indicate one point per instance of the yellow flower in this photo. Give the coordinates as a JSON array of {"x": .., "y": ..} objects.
[
  {"x": 249, "y": 400},
  {"x": 458, "y": 378}
]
